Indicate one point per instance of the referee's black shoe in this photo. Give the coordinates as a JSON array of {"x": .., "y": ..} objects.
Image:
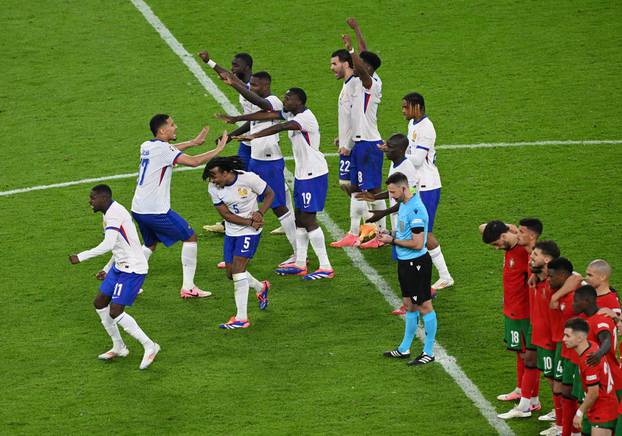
[
  {"x": 422, "y": 359},
  {"x": 396, "y": 354}
]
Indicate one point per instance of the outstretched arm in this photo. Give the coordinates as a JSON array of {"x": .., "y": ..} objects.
[
  {"x": 288, "y": 125},
  {"x": 200, "y": 139},
  {"x": 359, "y": 68},
  {"x": 204, "y": 55},
  {"x": 110, "y": 237},
  {"x": 255, "y": 116},
  {"x": 357, "y": 32},
  {"x": 200, "y": 159},
  {"x": 231, "y": 80}
]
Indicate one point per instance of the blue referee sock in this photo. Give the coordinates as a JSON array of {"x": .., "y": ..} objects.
[
  {"x": 410, "y": 330},
  {"x": 429, "y": 323}
]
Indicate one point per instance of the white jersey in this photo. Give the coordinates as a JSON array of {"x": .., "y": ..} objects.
[
  {"x": 408, "y": 169},
  {"x": 267, "y": 147},
  {"x": 344, "y": 113},
  {"x": 153, "y": 186},
  {"x": 365, "y": 109},
  {"x": 247, "y": 106},
  {"x": 310, "y": 161},
  {"x": 421, "y": 152},
  {"x": 121, "y": 237},
  {"x": 241, "y": 199}
]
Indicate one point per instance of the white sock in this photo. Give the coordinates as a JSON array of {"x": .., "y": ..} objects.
[
  {"x": 131, "y": 327},
  {"x": 358, "y": 210},
  {"x": 316, "y": 237},
  {"x": 380, "y": 205},
  {"x": 524, "y": 405},
  {"x": 253, "y": 282},
  {"x": 111, "y": 328},
  {"x": 289, "y": 227},
  {"x": 288, "y": 198},
  {"x": 188, "y": 264},
  {"x": 147, "y": 252},
  {"x": 439, "y": 262},
  {"x": 302, "y": 244},
  {"x": 240, "y": 285}
]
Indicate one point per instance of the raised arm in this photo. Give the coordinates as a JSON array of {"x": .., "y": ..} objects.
[
  {"x": 255, "y": 116},
  {"x": 200, "y": 159},
  {"x": 200, "y": 139},
  {"x": 354, "y": 25},
  {"x": 359, "y": 68},
  {"x": 288, "y": 125},
  {"x": 231, "y": 80},
  {"x": 204, "y": 55}
]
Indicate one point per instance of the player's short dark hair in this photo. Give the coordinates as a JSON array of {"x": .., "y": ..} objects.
[
  {"x": 577, "y": 325},
  {"x": 586, "y": 293},
  {"x": 343, "y": 55},
  {"x": 263, "y": 75},
  {"x": 371, "y": 59},
  {"x": 413, "y": 99},
  {"x": 298, "y": 92},
  {"x": 225, "y": 163},
  {"x": 561, "y": 264},
  {"x": 533, "y": 224},
  {"x": 397, "y": 179},
  {"x": 398, "y": 139},
  {"x": 102, "y": 189},
  {"x": 493, "y": 231},
  {"x": 156, "y": 122},
  {"x": 246, "y": 58},
  {"x": 548, "y": 248}
]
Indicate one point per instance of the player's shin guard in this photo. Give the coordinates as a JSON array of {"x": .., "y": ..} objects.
[
  {"x": 302, "y": 244},
  {"x": 316, "y": 237},
  {"x": 240, "y": 284},
  {"x": 439, "y": 263},
  {"x": 358, "y": 211},
  {"x": 253, "y": 282},
  {"x": 131, "y": 327},
  {"x": 382, "y": 223},
  {"x": 410, "y": 330},
  {"x": 429, "y": 324},
  {"x": 569, "y": 408},
  {"x": 288, "y": 223},
  {"x": 520, "y": 370},
  {"x": 188, "y": 263},
  {"x": 147, "y": 252},
  {"x": 111, "y": 328}
]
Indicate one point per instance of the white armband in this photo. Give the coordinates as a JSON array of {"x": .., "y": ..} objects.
[{"x": 211, "y": 63}]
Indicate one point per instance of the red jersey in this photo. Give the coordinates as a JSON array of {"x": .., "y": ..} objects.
[
  {"x": 609, "y": 301},
  {"x": 606, "y": 406},
  {"x": 515, "y": 273},
  {"x": 559, "y": 317},
  {"x": 599, "y": 323},
  {"x": 539, "y": 299}
]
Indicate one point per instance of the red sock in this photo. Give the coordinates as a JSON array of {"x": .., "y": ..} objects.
[
  {"x": 531, "y": 377},
  {"x": 520, "y": 370},
  {"x": 557, "y": 400},
  {"x": 569, "y": 408},
  {"x": 536, "y": 387}
]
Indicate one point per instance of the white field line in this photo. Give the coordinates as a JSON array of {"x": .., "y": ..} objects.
[{"x": 447, "y": 362}]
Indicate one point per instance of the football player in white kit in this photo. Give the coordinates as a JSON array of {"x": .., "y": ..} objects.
[
  {"x": 310, "y": 178},
  {"x": 365, "y": 94},
  {"x": 421, "y": 152},
  {"x": 151, "y": 205},
  {"x": 124, "y": 275},
  {"x": 235, "y": 194}
]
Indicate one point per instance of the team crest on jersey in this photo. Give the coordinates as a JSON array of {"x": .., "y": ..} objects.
[
  {"x": 414, "y": 136},
  {"x": 243, "y": 192},
  {"x": 511, "y": 262}
]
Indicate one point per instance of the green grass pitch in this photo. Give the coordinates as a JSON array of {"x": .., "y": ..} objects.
[{"x": 80, "y": 80}]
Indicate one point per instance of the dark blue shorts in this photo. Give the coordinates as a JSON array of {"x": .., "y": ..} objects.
[
  {"x": 167, "y": 228},
  {"x": 271, "y": 171},
  {"x": 241, "y": 246},
  {"x": 366, "y": 165},
  {"x": 344, "y": 167},
  {"x": 244, "y": 152},
  {"x": 430, "y": 200},
  {"x": 122, "y": 287},
  {"x": 310, "y": 194}
]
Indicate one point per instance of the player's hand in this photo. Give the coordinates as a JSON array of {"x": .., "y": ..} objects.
[
  {"x": 347, "y": 41},
  {"x": 344, "y": 151},
  {"x": 593, "y": 359},
  {"x": 554, "y": 304},
  {"x": 382, "y": 147},
  {"x": 607, "y": 312},
  {"x": 244, "y": 138},
  {"x": 74, "y": 259},
  {"x": 100, "y": 275},
  {"x": 256, "y": 216},
  {"x": 376, "y": 215},
  {"x": 577, "y": 421},
  {"x": 513, "y": 228},
  {"x": 227, "y": 77},
  {"x": 366, "y": 196},
  {"x": 229, "y": 119},
  {"x": 200, "y": 139},
  {"x": 532, "y": 281},
  {"x": 351, "y": 21},
  {"x": 222, "y": 141},
  {"x": 384, "y": 238},
  {"x": 257, "y": 224},
  {"x": 217, "y": 140},
  {"x": 204, "y": 56}
]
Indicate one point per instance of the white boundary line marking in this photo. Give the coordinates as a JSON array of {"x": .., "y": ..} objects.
[{"x": 448, "y": 363}]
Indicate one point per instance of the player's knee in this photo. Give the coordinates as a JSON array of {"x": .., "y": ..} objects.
[
  {"x": 432, "y": 242},
  {"x": 100, "y": 301},
  {"x": 153, "y": 247},
  {"x": 279, "y": 211},
  {"x": 115, "y": 310},
  {"x": 192, "y": 238}
]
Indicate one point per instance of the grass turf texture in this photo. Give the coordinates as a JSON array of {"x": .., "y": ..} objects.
[{"x": 79, "y": 86}]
